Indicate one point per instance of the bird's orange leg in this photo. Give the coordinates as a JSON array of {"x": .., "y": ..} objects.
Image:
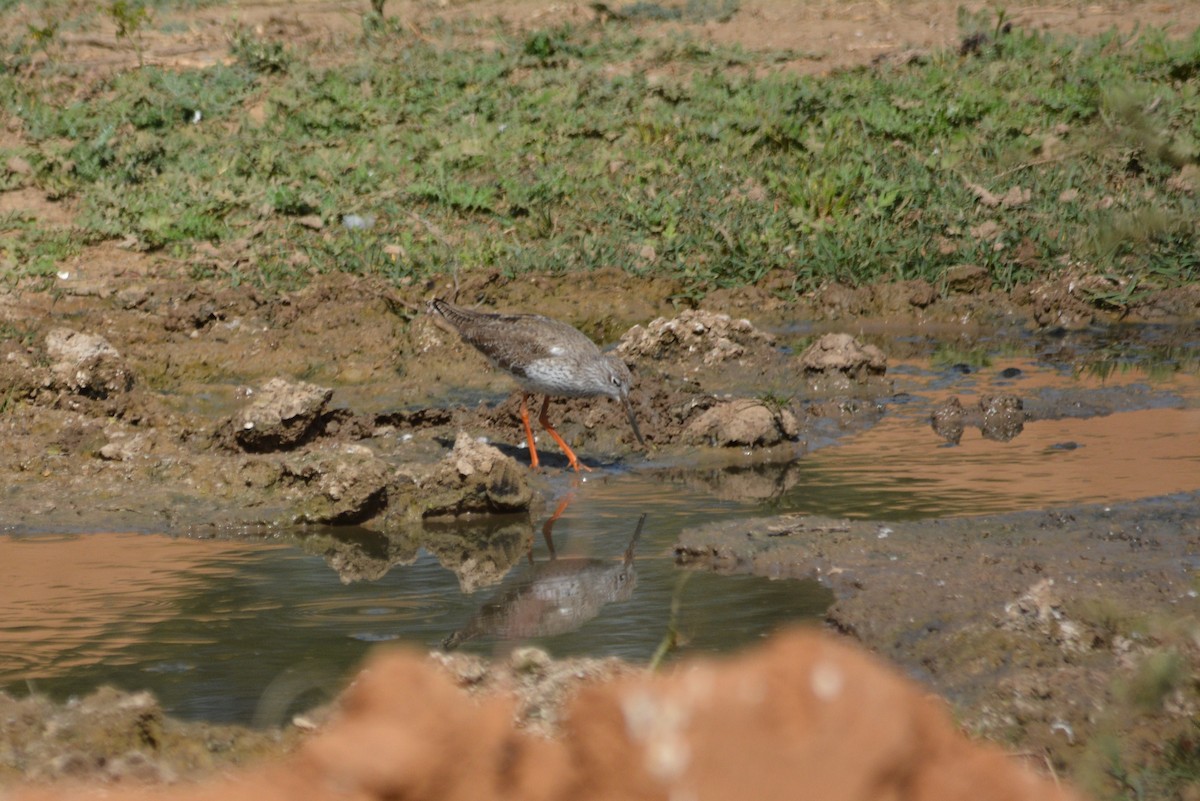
[
  {"x": 533, "y": 459},
  {"x": 548, "y": 526},
  {"x": 571, "y": 457}
]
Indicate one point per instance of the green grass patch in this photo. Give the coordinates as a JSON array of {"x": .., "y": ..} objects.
[{"x": 576, "y": 148}]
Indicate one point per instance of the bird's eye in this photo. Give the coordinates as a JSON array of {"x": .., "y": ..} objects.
[{"x": 616, "y": 381}]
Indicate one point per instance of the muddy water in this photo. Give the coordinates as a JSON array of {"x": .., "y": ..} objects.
[
  {"x": 1092, "y": 439},
  {"x": 250, "y": 628}
]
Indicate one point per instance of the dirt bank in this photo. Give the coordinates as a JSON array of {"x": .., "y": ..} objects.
[
  {"x": 803, "y": 717},
  {"x": 1062, "y": 632}
]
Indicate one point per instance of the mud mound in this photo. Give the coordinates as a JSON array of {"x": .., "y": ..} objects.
[
  {"x": 998, "y": 417},
  {"x": 87, "y": 364},
  {"x": 281, "y": 416},
  {"x": 743, "y": 422},
  {"x": 838, "y": 364},
  {"x": 695, "y": 336},
  {"x": 803, "y": 717},
  {"x": 474, "y": 478}
]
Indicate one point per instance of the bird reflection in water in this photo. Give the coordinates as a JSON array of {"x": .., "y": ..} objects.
[{"x": 556, "y": 596}]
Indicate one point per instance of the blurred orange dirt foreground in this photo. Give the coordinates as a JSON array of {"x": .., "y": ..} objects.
[{"x": 803, "y": 717}]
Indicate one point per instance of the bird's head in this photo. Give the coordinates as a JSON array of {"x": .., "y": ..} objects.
[
  {"x": 618, "y": 380},
  {"x": 616, "y": 377}
]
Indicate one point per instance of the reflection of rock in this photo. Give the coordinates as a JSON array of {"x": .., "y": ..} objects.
[
  {"x": 474, "y": 478},
  {"x": 554, "y": 597},
  {"x": 1003, "y": 417},
  {"x": 482, "y": 553},
  {"x": 86, "y": 364},
  {"x": 281, "y": 416},
  {"x": 840, "y": 364},
  {"x": 947, "y": 420},
  {"x": 743, "y": 422},
  {"x": 710, "y": 337},
  {"x": 347, "y": 484},
  {"x": 761, "y": 482},
  {"x": 356, "y": 554},
  {"x": 998, "y": 417}
]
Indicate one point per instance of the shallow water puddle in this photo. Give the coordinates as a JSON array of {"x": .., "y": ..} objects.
[
  {"x": 221, "y": 630},
  {"x": 250, "y": 628},
  {"x": 1118, "y": 457}
]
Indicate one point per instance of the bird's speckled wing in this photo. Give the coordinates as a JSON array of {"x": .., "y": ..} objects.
[{"x": 513, "y": 341}]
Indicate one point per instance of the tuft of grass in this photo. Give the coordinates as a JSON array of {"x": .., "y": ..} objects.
[
  {"x": 130, "y": 16},
  {"x": 1156, "y": 677},
  {"x": 259, "y": 55}
]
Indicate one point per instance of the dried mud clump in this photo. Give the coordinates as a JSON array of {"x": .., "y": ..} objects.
[
  {"x": 115, "y": 736},
  {"x": 1040, "y": 610},
  {"x": 695, "y": 334},
  {"x": 86, "y": 364},
  {"x": 1065, "y": 302},
  {"x": 283, "y": 415},
  {"x": 901, "y": 296},
  {"x": 474, "y": 478},
  {"x": 540, "y": 685},
  {"x": 840, "y": 364},
  {"x": 967, "y": 279},
  {"x": 743, "y": 422},
  {"x": 345, "y": 484}
]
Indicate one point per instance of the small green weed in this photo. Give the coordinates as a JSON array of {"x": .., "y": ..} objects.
[
  {"x": 130, "y": 16},
  {"x": 259, "y": 55},
  {"x": 775, "y": 401},
  {"x": 948, "y": 355},
  {"x": 43, "y": 36}
]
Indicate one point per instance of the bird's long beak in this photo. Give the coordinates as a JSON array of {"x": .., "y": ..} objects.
[{"x": 633, "y": 420}]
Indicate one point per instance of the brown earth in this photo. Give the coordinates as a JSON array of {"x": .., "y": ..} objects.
[
  {"x": 148, "y": 435},
  {"x": 815, "y": 36}
]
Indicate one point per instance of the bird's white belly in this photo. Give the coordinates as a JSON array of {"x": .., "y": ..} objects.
[{"x": 553, "y": 377}]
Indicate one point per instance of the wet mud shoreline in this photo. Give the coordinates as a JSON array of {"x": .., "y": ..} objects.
[{"x": 182, "y": 411}]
